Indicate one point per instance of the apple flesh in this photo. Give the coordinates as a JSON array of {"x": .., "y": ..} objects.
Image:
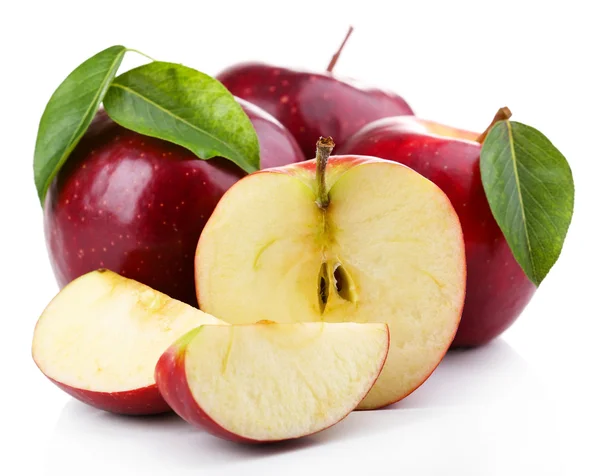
[
  {"x": 101, "y": 336},
  {"x": 136, "y": 204},
  {"x": 270, "y": 382},
  {"x": 311, "y": 104},
  {"x": 388, "y": 248},
  {"x": 497, "y": 288}
]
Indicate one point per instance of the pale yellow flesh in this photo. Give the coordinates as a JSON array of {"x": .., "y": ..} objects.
[
  {"x": 105, "y": 333},
  {"x": 395, "y": 234},
  {"x": 279, "y": 381}
]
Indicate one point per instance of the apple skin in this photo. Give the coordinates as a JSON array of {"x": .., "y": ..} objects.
[
  {"x": 311, "y": 105},
  {"x": 136, "y": 205},
  {"x": 497, "y": 288},
  {"x": 141, "y": 401}
]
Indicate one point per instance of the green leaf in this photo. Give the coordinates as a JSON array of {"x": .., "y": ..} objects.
[
  {"x": 69, "y": 113},
  {"x": 182, "y": 105},
  {"x": 529, "y": 186}
]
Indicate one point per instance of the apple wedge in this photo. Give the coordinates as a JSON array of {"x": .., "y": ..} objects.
[
  {"x": 355, "y": 239},
  {"x": 99, "y": 340},
  {"x": 270, "y": 382}
]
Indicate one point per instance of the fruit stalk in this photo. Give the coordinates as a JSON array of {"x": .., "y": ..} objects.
[
  {"x": 335, "y": 57},
  {"x": 324, "y": 147},
  {"x": 503, "y": 114}
]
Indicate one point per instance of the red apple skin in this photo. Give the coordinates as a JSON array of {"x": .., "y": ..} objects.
[
  {"x": 141, "y": 401},
  {"x": 136, "y": 205},
  {"x": 497, "y": 288},
  {"x": 309, "y": 104}
]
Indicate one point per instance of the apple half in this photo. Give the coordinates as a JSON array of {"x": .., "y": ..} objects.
[
  {"x": 268, "y": 382},
  {"x": 385, "y": 245},
  {"x": 99, "y": 340}
]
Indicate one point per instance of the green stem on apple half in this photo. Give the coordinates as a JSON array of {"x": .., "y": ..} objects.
[
  {"x": 324, "y": 147},
  {"x": 164, "y": 100},
  {"x": 529, "y": 187}
]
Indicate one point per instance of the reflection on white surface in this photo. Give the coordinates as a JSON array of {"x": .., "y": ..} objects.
[{"x": 481, "y": 413}]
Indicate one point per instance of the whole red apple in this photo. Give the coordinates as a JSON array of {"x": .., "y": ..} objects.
[
  {"x": 311, "y": 104},
  {"x": 497, "y": 287},
  {"x": 136, "y": 205}
]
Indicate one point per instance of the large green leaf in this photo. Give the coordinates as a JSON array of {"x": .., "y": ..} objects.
[
  {"x": 69, "y": 113},
  {"x": 529, "y": 186},
  {"x": 182, "y": 105}
]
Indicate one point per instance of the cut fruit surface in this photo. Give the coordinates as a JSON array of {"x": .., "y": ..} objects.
[
  {"x": 269, "y": 382},
  {"x": 101, "y": 336},
  {"x": 388, "y": 248}
]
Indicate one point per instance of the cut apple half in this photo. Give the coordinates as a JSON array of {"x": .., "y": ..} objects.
[
  {"x": 270, "y": 382},
  {"x": 101, "y": 336},
  {"x": 383, "y": 244}
]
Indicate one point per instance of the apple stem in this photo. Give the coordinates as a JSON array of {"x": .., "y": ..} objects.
[
  {"x": 324, "y": 147},
  {"x": 336, "y": 56},
  {"x": 503, "y": 114}
]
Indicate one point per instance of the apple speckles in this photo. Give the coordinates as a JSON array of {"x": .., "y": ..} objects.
[
  {"x": 276, "y": 72},
  {"x": 104, "y": 249},
  {"x": 161, "y": 204},
  {"x": 247, "y": 91},
  {"x": 285, "y": 82},
  {"x": 272, "y": 89},
  {"x": 293, "y": 110},
  {"x": 80, "y": 253},
  {"x": 284, "y": 99}
]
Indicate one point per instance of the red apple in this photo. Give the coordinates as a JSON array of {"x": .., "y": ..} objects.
[
  {"x": 497, "y": 287},
  {"x": 268, "y": 382},
  {"x": 358, "y": 240},
  {"x": 101, "y": 337},
  {"x": 136, "y": 204},
  {"x": 312, "y": 104}
]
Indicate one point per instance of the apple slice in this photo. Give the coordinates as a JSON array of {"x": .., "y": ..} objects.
[
  {"x": 270, "y": 382},
  {"x": 99, "y": 340},
  {"x": 358, "y": 239}
]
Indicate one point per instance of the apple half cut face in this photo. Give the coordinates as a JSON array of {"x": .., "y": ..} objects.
[
  {"x": 99, "y": 340},
  {"x": 270, "y": 382},
  {"x": 388, "y": 248}
]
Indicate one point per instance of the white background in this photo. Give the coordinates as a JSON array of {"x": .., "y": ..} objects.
[{"x": 525, "y": 405}]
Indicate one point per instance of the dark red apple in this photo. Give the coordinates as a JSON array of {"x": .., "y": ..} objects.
[
  {"x": 312, "y": 104},
  {"x": 497, "y": 287},
  {"x": 136, "y": 204}
]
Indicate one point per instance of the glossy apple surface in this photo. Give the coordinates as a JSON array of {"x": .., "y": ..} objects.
[
  {"x": 270, "y": 382},
  {"x": 136, "y": 204},
  {"x": 311, "y": 105},
  {"x": 497, "y": 288},
  {"x": 101, "y": 336},
  {"x": 387, "y": 248}
]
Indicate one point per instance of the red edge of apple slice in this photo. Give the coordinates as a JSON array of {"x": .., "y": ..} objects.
[
  {"x": 135, "y": 402},
  {"x": 184, "y": 404}
]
